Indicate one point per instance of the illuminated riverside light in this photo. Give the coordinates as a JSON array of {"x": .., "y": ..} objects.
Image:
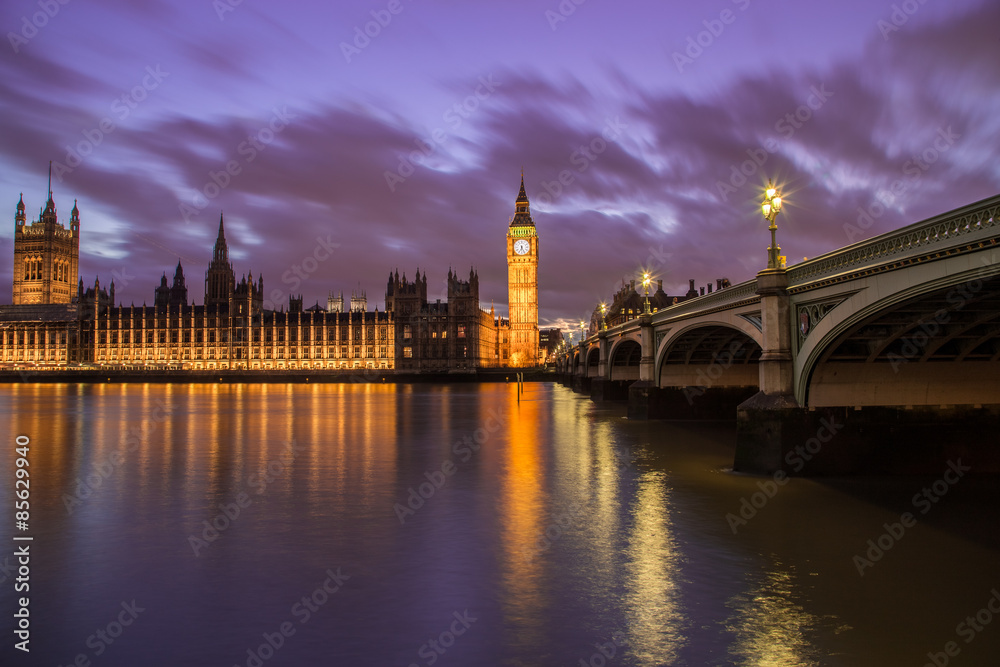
[
  {"x": 770, "y": 207},
  {"x": 646, "y": 279}
]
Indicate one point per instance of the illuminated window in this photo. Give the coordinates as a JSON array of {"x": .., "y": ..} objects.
[{"x": 407, "y": 352}]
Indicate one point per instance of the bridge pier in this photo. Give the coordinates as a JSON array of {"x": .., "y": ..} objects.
[
  {"x": 644, "y": 396},
  {"x": 581, "y": 384},
  {"x": 764, "y": 420},
  {"x": 872, "y": 440}
]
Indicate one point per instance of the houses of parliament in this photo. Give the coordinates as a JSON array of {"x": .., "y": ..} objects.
[{"x": 58, "y": 322}]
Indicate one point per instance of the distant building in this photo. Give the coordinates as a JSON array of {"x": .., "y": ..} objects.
[
  {"x": 359, "y": 302},
  {"x": 548, "y": 342},
  {"x": 52, "y": 325},
  {"x": 231, "y": 331},
  {"x": 335, "y": 303},
  {"x": 629, "y": 302}
]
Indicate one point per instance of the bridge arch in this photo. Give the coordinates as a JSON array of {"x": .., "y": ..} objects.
[
  {"x": 623, "y": 359},
  {"x": 593, "y": 361},
  {"x": 709, "y": 353},
  {"x": 931, "y": 342}
]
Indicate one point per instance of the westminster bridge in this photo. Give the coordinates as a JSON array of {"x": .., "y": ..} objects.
[{"x": 882, "y": 356}]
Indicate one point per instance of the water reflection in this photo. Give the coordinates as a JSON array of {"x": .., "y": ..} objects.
[
  {"x": 770, "y": 627},
  {"x": 655, "y": 622},
  {"x": 522, "y": 520},
  {"x": 570, "y": 526}
]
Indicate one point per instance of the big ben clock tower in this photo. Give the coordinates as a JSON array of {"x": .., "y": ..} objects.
[{"x": 522, "y": 284}]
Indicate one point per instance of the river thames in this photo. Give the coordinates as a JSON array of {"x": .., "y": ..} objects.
[{"x": 382, "y": 524}]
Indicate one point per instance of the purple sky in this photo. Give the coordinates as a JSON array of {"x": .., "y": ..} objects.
[{"x": 667, "y": 122}]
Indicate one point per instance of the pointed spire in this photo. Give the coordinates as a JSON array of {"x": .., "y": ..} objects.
[
  {"x": 221, "y": 250},
  {"x": 20, "y": 203},
  {"x": 522, "y": 214},
  {"x": 50, "y": 179},
  {"x": 522, "y": 196}
]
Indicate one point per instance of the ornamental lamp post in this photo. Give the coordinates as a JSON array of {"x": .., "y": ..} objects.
[
  {"x": 604, "y": 316},
  {"x": 770, "y": 207},
  {"x": 646, "y": 279}
]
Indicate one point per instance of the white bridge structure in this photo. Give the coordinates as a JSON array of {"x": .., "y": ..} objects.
[{"x": 895, "y": 337}]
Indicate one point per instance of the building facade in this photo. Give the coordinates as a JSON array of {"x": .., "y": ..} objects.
[
  {"x": 451, "y": 336},
  {"x": 522, "y": 283},
  {"x": 46, "y": 255},
  {"x": 50, "y": 326},
  {"x": 231, "y": 331}
]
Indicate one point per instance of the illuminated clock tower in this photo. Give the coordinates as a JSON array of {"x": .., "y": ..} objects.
[{"x": 522, "y": 284}]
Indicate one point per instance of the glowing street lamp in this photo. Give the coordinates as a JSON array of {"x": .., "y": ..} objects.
[
  {"x": 771, "y": 206},
  {"x": 604, "y": 315},
  {"x": 646, "y": 279}
]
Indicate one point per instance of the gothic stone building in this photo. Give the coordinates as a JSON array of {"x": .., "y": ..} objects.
[
  {"x": 51, "y": 327},
  {"x": 45, "y": 256},
  {"x": 451, "y": 336},
  {"x": 230, "y": 331}
]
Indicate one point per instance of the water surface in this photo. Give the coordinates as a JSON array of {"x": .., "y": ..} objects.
[{"x": 456, "y": 525}]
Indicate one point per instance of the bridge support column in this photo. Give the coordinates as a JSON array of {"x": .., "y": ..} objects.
[
  {"x": 761, "y": 436},
  {"x": 643, "y": 396},
  {"x": 600, "y": 386},
  {"x": 581, "y": 383}
]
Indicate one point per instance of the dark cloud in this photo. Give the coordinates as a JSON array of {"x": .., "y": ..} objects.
[{"x": 651, "y": 195}]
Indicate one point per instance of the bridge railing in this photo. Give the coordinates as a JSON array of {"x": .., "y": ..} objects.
[
  {"x": 723, "y": 297},
  {"x": 719, "y": 298},
  {"x": 940, "y": 231}
]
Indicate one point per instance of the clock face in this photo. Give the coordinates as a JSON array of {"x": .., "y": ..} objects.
[{"x": 522, "y": 247}]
